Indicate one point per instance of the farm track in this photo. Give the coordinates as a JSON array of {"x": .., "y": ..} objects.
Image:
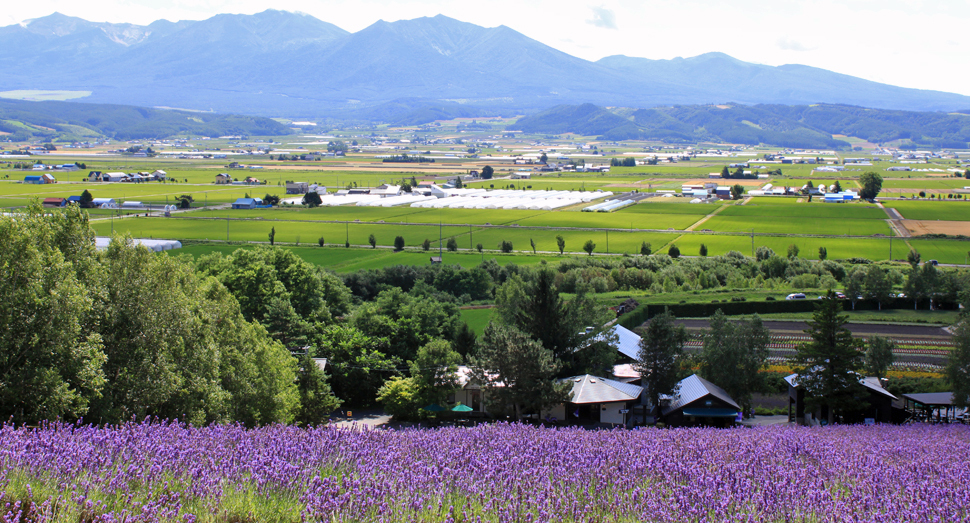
[{"x": 704, "y": 219}]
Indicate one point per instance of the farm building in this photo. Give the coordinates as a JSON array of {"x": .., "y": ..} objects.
[
  {"x": 223, "y": 178},
  {"x": 39, "y": 179},
  {"x": 53, "y": 202},
  {"x": 113, "y": 177},
  {"x": 104, "y": 203},
  {"x": 470, "y": 391},
  {"x": 159, "y": 174},
  {"x": 880, "y": 401},
  {"x": 94, "y": 176},
  {"x": 936, "y": 407},
  {"x": 132, "y": 205},
  {"x": 700, "y": 402},
  {"x": 73, "y": 199},
  {"x": 66, "y": 167},
  {"x": 386, "y": 190},
  {"x": 598, "y": 400},
  {"x": 844, "y": 196},
  {"x": 247, "y": 203},
  {"x": 297, "y": 187}
]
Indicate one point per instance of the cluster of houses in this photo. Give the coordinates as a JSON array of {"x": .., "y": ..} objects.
[
  {"x": 619, "y": 400},
  {"x": 227, "y": 179},
  {"x": 136, "y": 177}
]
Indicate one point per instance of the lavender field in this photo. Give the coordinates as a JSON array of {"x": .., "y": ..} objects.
[{"x": 170, "y": 472}]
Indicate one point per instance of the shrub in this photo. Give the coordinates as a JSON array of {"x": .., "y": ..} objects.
[
  {"x": 673, "y": 251},
  {"x": 399, "y": 243},
  {"x": 320, "y": 241},
  {"x": 426, "y": 244},
  {"x": 505, "y": 246},
  {"x": 452, "y": 244}
]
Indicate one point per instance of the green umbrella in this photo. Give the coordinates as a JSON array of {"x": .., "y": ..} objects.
[
  {"x": 434, "y": 407},
  {"x": 462, "y": 408}
]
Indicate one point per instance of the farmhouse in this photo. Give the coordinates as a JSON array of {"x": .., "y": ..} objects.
[
  {"x": 297, "y": 187},
  {"x": 53, "y": 202},
  {"x": 39, "y": 179},
  {"x": 247, "y": 203},
  {"x": 159, "y": 174},
  {"x": 880, "y": 402},
  {"x": 223, "y": 178},
  {"x": 700, "y": 402},
  {"x": 113, "y": 177},
  {"x": 598, "y": 400},
  {"x": 104, "y": 203}
]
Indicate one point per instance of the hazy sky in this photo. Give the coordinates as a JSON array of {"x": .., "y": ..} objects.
[{"x": 911, "y": 43}]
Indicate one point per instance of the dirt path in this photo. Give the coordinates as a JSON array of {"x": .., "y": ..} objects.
[
  {"x": 746, "y": 200},
  {"x": 895, "y": 221},
  {"x": 704, "y": 219}
]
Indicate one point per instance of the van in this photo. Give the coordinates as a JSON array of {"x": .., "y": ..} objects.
[{"x": 795, "y": 296}]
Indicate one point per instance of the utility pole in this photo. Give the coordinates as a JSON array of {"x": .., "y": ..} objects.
[
  {"x": 471, "y": 241},
  {"x": 890, "y": 248},
  {"x": 227, "y": 229},
  {"x": 607, "y": 241},
  {"x": 752, "y": 243},
  {"x": 439, "y": 236}
]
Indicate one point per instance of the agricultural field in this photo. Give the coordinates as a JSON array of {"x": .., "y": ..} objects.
[
  {"x": 782, "y": 224},
  {"x": 800, "y": 211},
  {"x": 503, "y": 472},
  {"x": 931, "y": 210},
  {"x": 838, "y": 248}
]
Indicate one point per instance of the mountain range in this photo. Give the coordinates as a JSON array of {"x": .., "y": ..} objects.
[{"x": 278, "y": 63}]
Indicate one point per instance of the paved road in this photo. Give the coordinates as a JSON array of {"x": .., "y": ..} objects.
[{"x": 857, "y": 329}]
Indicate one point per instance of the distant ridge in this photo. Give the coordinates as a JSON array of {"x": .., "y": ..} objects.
[
  {"x": 803, "y": 126},
  {"x": 278, "y": 63},
  {"x": 81, "y": 121}
]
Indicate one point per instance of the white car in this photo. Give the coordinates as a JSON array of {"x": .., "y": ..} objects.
[{"x": 795, "y": 296}]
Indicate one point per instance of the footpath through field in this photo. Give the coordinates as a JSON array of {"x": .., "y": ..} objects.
[{"x": 708, "y": 217}]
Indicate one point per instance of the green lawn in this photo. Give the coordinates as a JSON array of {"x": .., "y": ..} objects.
[{"x": 477, "y": 319}]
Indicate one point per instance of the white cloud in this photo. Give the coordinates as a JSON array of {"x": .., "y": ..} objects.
[
  {"x": 787, "y": 44},
  {"x": 602, "y": 17}
]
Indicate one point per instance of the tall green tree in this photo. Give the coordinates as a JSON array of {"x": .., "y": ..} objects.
[
  {"x": 589, "y": 247},
  {"x": 317, "y": 400},
  {"x": 958, "y": 363},
  {"x": 567, "y": 328},
  {"x": 50, "y": 360},
  {"x": 517, "y": 371},
  {"x": 312, "y": 199},
  {"x": 878, "y": 287},
  {"x": 434, "y": 370},
  {"x": 645, "y": 249},
  {"x": 879, "y": 356},
  {"x": 855, "y": 282},
  {"x": 487, "y": 172},
  {"x": 733, "y": 354},
  {"x": 921, "y": 283},
  {"x": 359, "y": 363},
  {"x": 658, "y": 361},
  {"x": 561, "y": 243},
  {"x": 828, "y": 366},
  {"x": 871, "y": 185}
]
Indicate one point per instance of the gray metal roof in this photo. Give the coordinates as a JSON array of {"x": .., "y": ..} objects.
[
  {"x": 931, "y": 398},
  {"x": 870, "y": 383},
  {"x": 593, "y": 389},
  {"x": 693, "y": 388}
]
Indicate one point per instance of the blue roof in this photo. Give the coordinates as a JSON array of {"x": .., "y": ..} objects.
[
  {"x": 73, "y": 198},
  {"x": 31, "y": 178},
  {"x": 246, "y": 201}
]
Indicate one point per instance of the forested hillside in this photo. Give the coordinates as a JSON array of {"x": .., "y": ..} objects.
[
  {"x": 801, "y": 126},
  {"x": 46, "y": 120}
]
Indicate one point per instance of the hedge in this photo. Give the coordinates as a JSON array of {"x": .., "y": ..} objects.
[{"x": 641, "y": 314}]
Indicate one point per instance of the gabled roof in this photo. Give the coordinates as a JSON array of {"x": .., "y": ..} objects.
[
  {"x": 628, "y": 342},
  {"x": 693, "y": 388},
  {"x": 870, "y": 383},
  {"x": 245, "y": 201},
  {"x": 593, "y": 389}
]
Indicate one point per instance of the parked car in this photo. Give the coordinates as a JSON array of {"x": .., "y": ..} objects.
[
  {"x": 795, "y": 296},
  {"x": 933, "y": 262}
]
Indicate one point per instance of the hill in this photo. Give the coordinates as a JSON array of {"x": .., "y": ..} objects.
[
  {"x": 68, "y": 120},
  {"x": 801, "y": 126},
  {"x": 279, "y": 63}
]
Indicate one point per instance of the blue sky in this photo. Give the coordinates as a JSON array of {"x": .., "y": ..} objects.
[{"x": 911, "y": 43}]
